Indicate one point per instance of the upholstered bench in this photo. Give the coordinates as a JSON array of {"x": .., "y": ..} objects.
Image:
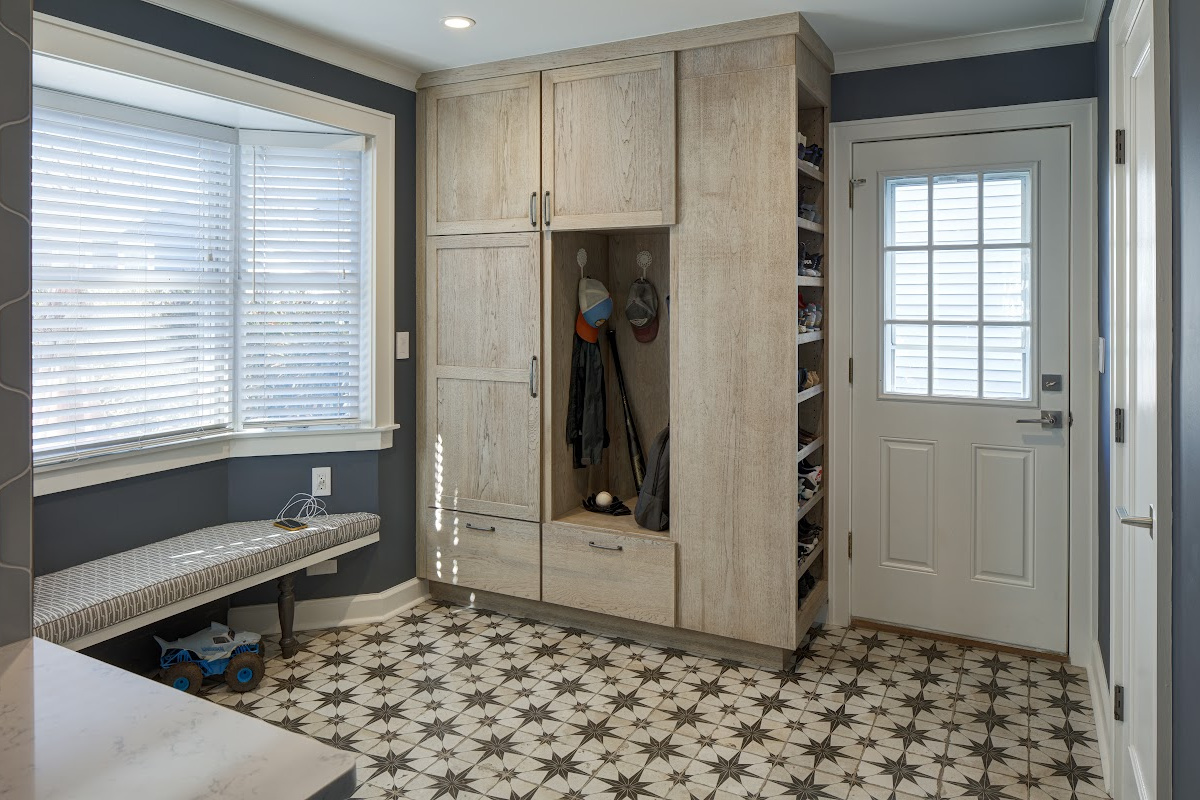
[{"x": 92, "y": 602}]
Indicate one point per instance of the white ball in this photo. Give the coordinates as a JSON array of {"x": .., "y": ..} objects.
[{"x": 604, "y": 499}]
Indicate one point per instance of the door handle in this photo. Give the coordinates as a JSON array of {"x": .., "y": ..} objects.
[
  {"x": 1136, "y": 522},
  {"x": 533, "y": 209},
  {"x": 616, "y": 547},
  {"x": 492, "y": 529},
  {"x": 546, "y": 210},
  {"x": 533, "y": 377},
  {"x": 1048, "y": 419}
]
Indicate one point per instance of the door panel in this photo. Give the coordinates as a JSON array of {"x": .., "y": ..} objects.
[
  {"x": 608, "y": 144},
  {"x": 482, "y": 156},
  {"x": 961, "y": 302},
  {"x": 484, "y": 302}
]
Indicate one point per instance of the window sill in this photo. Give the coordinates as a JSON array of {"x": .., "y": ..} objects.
[{"x": 63, "y": 477}]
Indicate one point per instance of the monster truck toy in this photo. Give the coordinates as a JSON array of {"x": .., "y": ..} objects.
[{"x": 237, "y": 655}]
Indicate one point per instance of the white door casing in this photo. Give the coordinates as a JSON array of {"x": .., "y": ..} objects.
[
  {"x": 1141, "y": 335},
  {"x": 961, "y": 511}
]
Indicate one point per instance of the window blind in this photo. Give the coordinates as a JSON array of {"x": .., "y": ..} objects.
[
  {"x": 132, "y": 284},
  {"x": 300, "y": 284}
]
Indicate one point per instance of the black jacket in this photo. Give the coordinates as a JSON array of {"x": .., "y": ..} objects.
[{"x": 587, "y": 412}]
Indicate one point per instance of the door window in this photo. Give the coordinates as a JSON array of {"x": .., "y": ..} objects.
[{"x": 958, "y": 276}]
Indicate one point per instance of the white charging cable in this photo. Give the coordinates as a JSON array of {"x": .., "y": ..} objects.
[{"x": 309, "y": 507}]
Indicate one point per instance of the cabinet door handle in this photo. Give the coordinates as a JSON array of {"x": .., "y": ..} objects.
[
  {"x": 533, "y": 377},
  {"x": 492, "y": 529},
  {"x": 616, "y": 547},
  {"x": 533, "y": 209},
  {"x": 546, "y": 210}
]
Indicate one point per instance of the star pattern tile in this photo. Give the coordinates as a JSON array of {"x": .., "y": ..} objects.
[{"x": 467, "y": 704}]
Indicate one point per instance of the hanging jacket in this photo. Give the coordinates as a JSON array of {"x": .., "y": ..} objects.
[{"x": 587, "y": 412}]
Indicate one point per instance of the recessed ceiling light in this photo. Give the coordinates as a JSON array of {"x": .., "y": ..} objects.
[{"x": 458, "y": 22}]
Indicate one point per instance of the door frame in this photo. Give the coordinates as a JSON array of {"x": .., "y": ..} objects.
[
  {"x": 1121, "y": 21},
  {"x": 1079, "y": 116}
]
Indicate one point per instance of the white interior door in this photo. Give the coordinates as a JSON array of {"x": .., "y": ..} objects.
[
  {"x": 1141, "y": 618},
  {"x": 961, "y": 279}
]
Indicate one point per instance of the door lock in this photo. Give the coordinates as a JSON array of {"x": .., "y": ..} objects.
[{"x": 1048, "y": 419}]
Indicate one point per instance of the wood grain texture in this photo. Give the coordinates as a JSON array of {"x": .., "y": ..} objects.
[
  {"x": 580, "y": 517},
  {"x": 816, "y": 79},
  {"x": 482, "y": 155},
  {"x": 479, "y": 552},
  {"x": 709, "y": 36},
  {"x": 608, "y": 144},
  {"x": 482, "y": 426},
  {"x": 778, "y": 51},
  {"x": 563, "y": 486},
  {"x": 646, "y": 365},
  {"x": 636, "y": 581},
  {"x": 733, "y": 324}
]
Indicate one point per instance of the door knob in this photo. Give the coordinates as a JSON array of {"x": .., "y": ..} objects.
[
  {"x": 1048, "y": 419},
  {"x": 1136, "y": 522}
]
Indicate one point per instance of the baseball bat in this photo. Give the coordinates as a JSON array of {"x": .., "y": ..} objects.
[{"x": 637, "y": 459}]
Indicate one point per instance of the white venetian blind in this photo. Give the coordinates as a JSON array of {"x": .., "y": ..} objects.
[
  {"x": 132, "y": 278},
  {"x": 301, "y": 284}
]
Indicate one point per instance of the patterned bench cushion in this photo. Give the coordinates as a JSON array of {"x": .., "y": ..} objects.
[{"x": 90, "y": 597}]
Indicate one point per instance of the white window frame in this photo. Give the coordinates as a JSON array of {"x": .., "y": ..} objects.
[{"x": 62, "y": 39}]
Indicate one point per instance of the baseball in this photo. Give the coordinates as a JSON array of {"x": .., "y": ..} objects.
[{"x": 604, "y": 499}]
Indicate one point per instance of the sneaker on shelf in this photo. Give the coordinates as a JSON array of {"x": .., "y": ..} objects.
[{"x": 811, "y": 379}]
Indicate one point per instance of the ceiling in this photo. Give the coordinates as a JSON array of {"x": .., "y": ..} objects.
[{"x": 405, "y": 37}]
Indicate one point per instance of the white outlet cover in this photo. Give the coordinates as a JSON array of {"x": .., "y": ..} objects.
[{"x": 322, "y": 481}]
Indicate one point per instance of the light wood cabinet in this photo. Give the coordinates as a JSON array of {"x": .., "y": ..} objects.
[
  {"x": 486, "y": 553},
  {"x": 608, "y": 144},
  {"x": 482, "y": 351},
  {"x": 482, "y": 156}
]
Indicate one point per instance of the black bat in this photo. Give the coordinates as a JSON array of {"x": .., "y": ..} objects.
[{"x": 637, "y": 459}]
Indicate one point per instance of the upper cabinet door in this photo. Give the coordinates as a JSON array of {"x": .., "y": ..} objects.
[
  {"x": 482, "y": 156},
  {"x": 608, "y": 144},
  {"x": 483, "y": 371}
]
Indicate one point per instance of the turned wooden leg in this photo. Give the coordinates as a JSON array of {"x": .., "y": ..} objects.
[{"x": 287, "y": 614}]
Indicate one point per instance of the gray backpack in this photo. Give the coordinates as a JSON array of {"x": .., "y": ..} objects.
[{"x": 653, "y": 504}]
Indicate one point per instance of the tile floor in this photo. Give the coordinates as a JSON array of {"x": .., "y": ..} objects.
[{"x": 445, "y": 701}]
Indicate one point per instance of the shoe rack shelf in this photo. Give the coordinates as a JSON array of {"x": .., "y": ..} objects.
[
  {"x": 812, "y": 604},
  {"x": 811, "y": 336},
  {"x": 807, "y": 225},
  {"x": 809, "y": 280},
  {"x": 811, "y": 558},
  {"x": 809, "y": 394},
  {"x": 809, "y": 505},
  {"x": 808, "y": 172},
  {"x": 809, "y": 449}
]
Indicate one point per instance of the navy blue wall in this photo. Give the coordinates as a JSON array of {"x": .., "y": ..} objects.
[
  {"x": 1008, "y": 79},
  {"x": 72, "y": 527},
  {"x": 1185, "y": 397}
]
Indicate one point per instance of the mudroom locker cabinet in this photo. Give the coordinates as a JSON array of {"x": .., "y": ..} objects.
[{"x": 675, "y": 157}]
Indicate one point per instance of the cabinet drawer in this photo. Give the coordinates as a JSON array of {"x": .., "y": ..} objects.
[
  {"x": 486, "y": 553},
  {"x": 610, "y": 573}
]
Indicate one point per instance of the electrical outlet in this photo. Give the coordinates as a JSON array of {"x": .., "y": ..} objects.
[
  {"x": 401, "y": 345},
  {"x": 323, "y": 568},
  {"x": 322, "y": 480}
]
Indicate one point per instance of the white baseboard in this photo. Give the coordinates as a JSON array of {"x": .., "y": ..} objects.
[
  {"x": 1102, "y": 708},
  {"x": 333, "y": 612}
]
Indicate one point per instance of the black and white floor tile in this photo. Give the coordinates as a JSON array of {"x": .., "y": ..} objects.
[{"x": 465, "y": 704}]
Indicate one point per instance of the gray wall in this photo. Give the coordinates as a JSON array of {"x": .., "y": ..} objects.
[
  {"x": 16, "y": 479},
  {"x": 1185, "y": 397},
  {"x": 1008, "y": 79},
  {"x": 72, "y": 527}
]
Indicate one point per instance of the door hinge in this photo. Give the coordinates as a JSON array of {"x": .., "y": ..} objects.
[
  {"x": 1119, "y": 146},
  {"x": 1119, "y": 425},
  {"x": 850, "y": 545},
  {"x": 852, "y": 370},
  {"x": 1119, "y": 703},
  {"x": 855, "y": 182}
]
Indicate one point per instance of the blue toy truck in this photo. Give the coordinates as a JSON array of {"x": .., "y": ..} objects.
[{"x": 219, "y": 650}]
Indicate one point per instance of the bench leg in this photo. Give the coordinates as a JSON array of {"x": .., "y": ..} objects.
[{"x": 287, "y": 614}]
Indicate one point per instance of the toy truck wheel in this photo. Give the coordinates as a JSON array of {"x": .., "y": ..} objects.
[
  {"x": 244, "y": 672},
  {"x": 184, "y": 676}
]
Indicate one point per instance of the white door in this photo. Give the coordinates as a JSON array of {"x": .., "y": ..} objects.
[
  {"x": 1141, "y": 367},
  {"x": 961, "y": 256}
]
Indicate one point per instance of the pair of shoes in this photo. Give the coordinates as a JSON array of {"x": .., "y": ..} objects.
[
  {"x": 806, "y": 530},
  {"x": 806, "y": 488},
  {"x": 810, "y": 212},
  {"x": 803, "y": 586},
  {"x": 813, "y": 154},
  {"x": 811, "y": 319},
  {"x": 807, "y": 379},
  {"x": 810, "y": 265},
  {"x": 814, "y": 472}
]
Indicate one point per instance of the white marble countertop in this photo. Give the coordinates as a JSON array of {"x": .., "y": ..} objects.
[{"x": 72, "y": 727}]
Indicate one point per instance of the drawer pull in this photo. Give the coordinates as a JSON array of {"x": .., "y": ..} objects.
[
  {"x": 606, "y": 546},
  {"x": 491, "y": 529}
]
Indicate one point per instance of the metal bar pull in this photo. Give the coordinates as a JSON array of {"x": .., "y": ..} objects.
[
  {"x": 533, "y": 377},
  {"x": 605, "y": 546},
  {"x": 1048, "y": 419},
  {"x": 1136, "y": 522},
  {"x": 491, "y": 529},
  {"x": 546, "y": 210},
  {"x": 533, "y": 209}
]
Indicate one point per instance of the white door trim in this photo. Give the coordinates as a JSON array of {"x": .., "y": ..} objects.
[{"x": 1080, "y": 117}]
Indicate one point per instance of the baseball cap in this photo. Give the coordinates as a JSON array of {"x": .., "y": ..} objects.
[
  {"x": 594, "y": 302},
  {"x": 642, "y": 310},
  {"x": 585, "y": 331}
]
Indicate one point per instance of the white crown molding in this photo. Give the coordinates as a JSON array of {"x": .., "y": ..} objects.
[
  {"x": 285, "y": 34},
  {"x": 1080, "y": 31}
]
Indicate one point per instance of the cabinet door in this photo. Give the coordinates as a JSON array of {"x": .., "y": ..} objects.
[
  {"x": 483, "y": 360},
  {"x": 482, "y": 156},
  {"x": 608, "y": 144}
]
